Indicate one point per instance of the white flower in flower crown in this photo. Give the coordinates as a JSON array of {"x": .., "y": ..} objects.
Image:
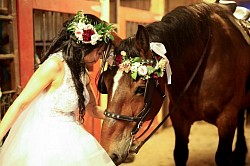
[
  {"x": 80, "y": 25},
  {"x": 88, "y": 26},
  {"x": 83, "y": 30},
  {"x": 125, "y": 66},
  {"x": 142, "y": 70},
  {"x": 78, "y": 34},
  {"x": 94, "y": 39},
  {"x": 99, "y": 36}
]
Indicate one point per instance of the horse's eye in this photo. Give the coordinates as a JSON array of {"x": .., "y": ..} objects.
[{"x": 140, "y": 90}]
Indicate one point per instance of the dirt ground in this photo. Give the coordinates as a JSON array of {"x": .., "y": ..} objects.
[{"x": 158, "y": 151}]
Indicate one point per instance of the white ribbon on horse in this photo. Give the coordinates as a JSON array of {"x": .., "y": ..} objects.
[{"x": 160, "y": 49}]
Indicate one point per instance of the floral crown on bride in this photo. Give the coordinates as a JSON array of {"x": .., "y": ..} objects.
[{"x": 86, "y": 33}]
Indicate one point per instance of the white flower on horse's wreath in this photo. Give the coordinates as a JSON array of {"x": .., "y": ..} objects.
[
  {"x": 135, "y": 66},
  {"x": 87, "y": 33},
  {"x": 142, "y": 70},
  {"x": 162, "y": 63},
  {"x": 139, "y": 67},
  {"x": 123, "y": 53}
]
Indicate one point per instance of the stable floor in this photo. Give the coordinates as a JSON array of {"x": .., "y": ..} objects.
[{"x": 158, "y": 151}]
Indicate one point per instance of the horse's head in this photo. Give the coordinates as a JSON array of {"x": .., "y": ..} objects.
[{"x": 136, "y": 88}]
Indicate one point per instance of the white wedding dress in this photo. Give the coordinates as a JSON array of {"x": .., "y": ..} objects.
[{"x": 47, "y": 133}]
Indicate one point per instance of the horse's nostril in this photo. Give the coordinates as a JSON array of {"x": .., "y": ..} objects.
[{"x": 114, "y": 157}]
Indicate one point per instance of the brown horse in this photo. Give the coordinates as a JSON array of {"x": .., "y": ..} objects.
[{"x": 210, "y": 63}]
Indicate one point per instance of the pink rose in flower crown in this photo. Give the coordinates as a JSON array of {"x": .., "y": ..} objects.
[
  {"x": 79, "y": 34},
  {"x": 87, "y": 35}
]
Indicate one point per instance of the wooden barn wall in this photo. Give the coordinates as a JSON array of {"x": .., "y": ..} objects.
[{"x": 28, "y": 37}]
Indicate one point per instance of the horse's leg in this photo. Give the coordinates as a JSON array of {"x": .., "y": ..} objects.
[
  {"x": 226, "y": 124},
  {"x": 182, "y": 130},
  {"x": 239, "y": 154}
]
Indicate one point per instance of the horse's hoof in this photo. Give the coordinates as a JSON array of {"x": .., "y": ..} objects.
[{"x": 239, "y": 158}]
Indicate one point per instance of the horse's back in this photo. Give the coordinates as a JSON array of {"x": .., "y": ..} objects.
[{"x": 223, "y": 78}]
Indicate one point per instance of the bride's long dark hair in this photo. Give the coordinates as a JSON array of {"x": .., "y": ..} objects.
[{"x": 73, "y": 54}]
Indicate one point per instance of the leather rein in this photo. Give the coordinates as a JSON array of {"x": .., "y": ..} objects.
[{"x": 150, "y": 85}]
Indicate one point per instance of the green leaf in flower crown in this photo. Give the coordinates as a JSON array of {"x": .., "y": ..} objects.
[
  {"x": 103, "y": 30},
  {"x": 136, "y": 59},
  {"x": 98, "y": 27},
  {"x": 109, "y": 27},
  {"x": 150, "y": 70},
  {"x": 111, "y": 37},
  {"x": 99, "y": 32},
  {"x": 134, "y": 75}
]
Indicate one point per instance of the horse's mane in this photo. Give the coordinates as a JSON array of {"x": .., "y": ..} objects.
[
  {"x": 179, "y": 28},
  {"x": 184, "y": 25},
  {"x": 127, "y": 45}
]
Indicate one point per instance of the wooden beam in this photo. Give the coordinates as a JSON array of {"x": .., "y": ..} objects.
[
  {"x": 25, "y": 40},
  {"x": 134, "y": 15},
  {"x": 68, "y": 6}
]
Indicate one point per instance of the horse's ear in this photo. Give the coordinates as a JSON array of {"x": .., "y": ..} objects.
[
  {"x": 117, "y": 39},
  {"x": 231, "y": 5},
  {"x": 142, "y": 40}
]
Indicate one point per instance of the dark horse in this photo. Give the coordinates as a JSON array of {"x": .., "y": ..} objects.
[{"x": 210, "y": 62}]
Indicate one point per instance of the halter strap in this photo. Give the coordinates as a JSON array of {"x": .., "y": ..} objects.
[{"x": 121, "y": 117}]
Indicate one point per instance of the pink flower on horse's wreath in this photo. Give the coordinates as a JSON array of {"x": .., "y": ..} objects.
[
  {"x": 154, "y": 75},
  {"x": 125, "y": 66},
  {"x": 118, "y": 59}
]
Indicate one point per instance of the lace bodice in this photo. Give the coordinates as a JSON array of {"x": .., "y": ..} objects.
[
  {"x": 48, "y": 133},
  {"x": 64, "y": 99}
]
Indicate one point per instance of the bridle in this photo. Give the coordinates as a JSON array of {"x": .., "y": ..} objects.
[{"x": 150, "y": 85}]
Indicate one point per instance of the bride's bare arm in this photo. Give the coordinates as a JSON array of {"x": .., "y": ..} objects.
[
  {"x": 92, "y": 108},
  {"x": 40, "y": 80}
]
